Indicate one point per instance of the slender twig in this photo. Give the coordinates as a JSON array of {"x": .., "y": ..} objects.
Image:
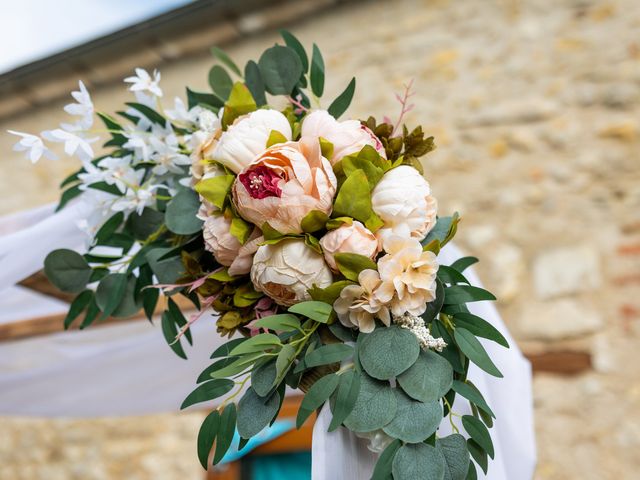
[
  {"x": 295, "y": 102},
  {"x": 405, "y": 108}
]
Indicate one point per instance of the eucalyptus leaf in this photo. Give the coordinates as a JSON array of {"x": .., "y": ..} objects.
[
  {"x": 345, "y": 398},
  {"x": 317, "y": 72},
  {"x": 479, "y": 327},
  {"x": 224, "y": 350},
  {"x": 170, "y": 331},
  {"x": 67, "y": 270},
  {"x": 478, "y": 454},
  {"x": 225, "y": 432},
  {"x": 463, "y": 263},
  {"x": 257, "y": 343},
  {"x": 180, "y": 216},
  {"x": 284, "y": 360},
  {"x": 220, "y": 81},
  {"x": 375, "y": 406},
  {"x": 465, "y": 294},
  {"x": 434, "y": 307},
  {"x": 280, "y": 68},
  {"x": 450, "y": 275},
  {"x": 382, "y": 470},
  {"x": 388, "y": 351},
  {"x": 254, "y": 82},
  {"x": 418, "y": 461},
  {"x": 283, "y": 322},
  {"x": 456, "y": 456},
  {"x": 225, "y": 59},
  {"x": 327, "y": 354},
  {"x": 206, "y": 437},
  {"x": 414, "y": 421},
  {"x": 474, "y": 350},
  {"x": 78, "y": 305},
  {"x": 313, "y": 309},
  {"x": 316, "y": 396},
  {"x": 478, "y": 432},
  {"x": 206, "y": 374},
  {"x": 263, "y": 377},
  {"x": 428, "y": 379},
  {"x": 208, "y": 391},
  {"x": 254, "y": 413},
  {"x": 293, "y": 43},
  {"x": 342, "y": 102},
  {"x": 471, "y": 393}
]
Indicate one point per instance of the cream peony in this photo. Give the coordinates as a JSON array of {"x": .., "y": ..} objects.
[
  {"x": 284, "y": 184},
  {"x": 354, "y": 238},
  {"x": 247, "y": 138},
  {"x": 347, "y": 137},
  {"x": 408, "y": 276},
  {"x": 241, "y": 265},
  {"x": 358, "y": 306},
  {"x": 402, "y": 199},
  {"x": 227, "y": 249},
  {"x": 286, "y": 270}
]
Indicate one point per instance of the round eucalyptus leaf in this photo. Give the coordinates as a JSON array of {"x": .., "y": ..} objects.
[
  {"x": 430, "y": 378},
  {"x": 181, "y": 213},
  {"x": 375, "y": 406},
  {"x": 388, "y": 351},
  {"x": 254, "y": 413},
  {"x": 418, "y": 460},
  {"x": 67, "y": 270},
  {"x": 280, "y": 68},
  {"x": 107, "y": 288},
  {"x": 414, "y": 421},
  {"x": 263, "y": 377},
  {"x": 456, "y": 456}
]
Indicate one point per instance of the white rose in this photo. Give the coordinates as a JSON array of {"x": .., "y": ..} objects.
[
  {"x": 286, "y": 270},
  {"x": 247, "y": 138},
  {"x": 347, "y": 137},
  {"x": 403, "y": 200},
  {"x": 354, "y": 238}
]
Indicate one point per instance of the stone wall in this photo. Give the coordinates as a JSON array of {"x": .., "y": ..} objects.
[{"x": 535, "y": 106}]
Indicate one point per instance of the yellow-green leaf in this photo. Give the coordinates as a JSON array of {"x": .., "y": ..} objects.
[
  {"x": 351, "y": 264},
  {"x": 313, "y": 221},
  {"x": 275, "y": 137},
  {"x": 215, "y": 189},
  {"x": 240, "y": 102}
]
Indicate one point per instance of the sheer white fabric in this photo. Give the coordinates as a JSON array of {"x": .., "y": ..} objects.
[{"x": 340, "y": 454}]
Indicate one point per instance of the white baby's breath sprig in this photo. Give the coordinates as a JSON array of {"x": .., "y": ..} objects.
[{"x": 419, "y": 329}]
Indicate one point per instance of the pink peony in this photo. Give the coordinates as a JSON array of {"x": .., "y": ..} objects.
[{"x": 354, "y": 238}]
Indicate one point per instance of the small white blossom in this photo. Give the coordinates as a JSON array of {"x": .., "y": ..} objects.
[
  {"x": 207, "y": 120},
  {"x": 180, "y": 114},
  {"x": 143, "y": 82},
  {"x": 118, "y": 171},
  {"x": 166, "y": 154},
  {"x": 91, "y": 175},
  {"x": 33, "y": 146},
  {"x": 74, "y": 144},
  {"x": 419, "y": 329},
  {"x": 136, "y": 197},
  {"x": 83, "y": 108}
]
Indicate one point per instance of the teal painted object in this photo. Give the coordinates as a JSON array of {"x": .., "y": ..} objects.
[
  {"x": 278, "y": 428},
  {"x": 287, "y": 466}
]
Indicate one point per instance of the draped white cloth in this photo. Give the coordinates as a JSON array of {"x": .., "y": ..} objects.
[{"x": 127, "y": 369}]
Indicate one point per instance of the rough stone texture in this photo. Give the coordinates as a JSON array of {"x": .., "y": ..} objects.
[
  {"x": 557, "y": 320},
  {"x": 565, "y": 271},
  {"x": 535, "y": 107}
]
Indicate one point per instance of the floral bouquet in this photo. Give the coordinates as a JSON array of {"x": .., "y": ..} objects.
[{"x": 313, "y": 241}]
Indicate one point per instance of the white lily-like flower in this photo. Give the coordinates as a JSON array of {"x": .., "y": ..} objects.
[
  {"x": 143, "y": 82},
  {"x": 74, "y": 143},
  {"x": 166, "y": 154},
  {"x": 33, "y": 146},
  {"x": 83, "y": 108},
  {"x": 91, "y": 175},
  {"x": 136, "y": 197},
  {"x": 118, "y": 171}
]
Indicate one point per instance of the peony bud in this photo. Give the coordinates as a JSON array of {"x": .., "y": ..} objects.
[{"x": 354, "y": 238}]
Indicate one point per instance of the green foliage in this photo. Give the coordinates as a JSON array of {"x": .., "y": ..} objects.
[
  {"x": 206, "y": 437},
  {"x": 465, "y": 294},
  {"x": 413, "y": 461},
  {"x": 342, "y": 102},
  {"x": 471, "y": 393},
  {"x": 206, "y": 100},
  {"x": 114, "y": 295},
  {"x": 375, "y": 406},
  {"x": 208, "y": 391},
  {"x": 280, "y": 68},
  {"x": 351, "y": 264},
  {"x": 479, "y": 455},
  {"x": 434, "y": 307},
  {"x": 255, "y": 84},
  {"x": 180, "y": 216},
  {"x": 313, "y": 221},
  {"x": 345, "y": 398},
  {"x": 146, "y": 223},
  {"x": 317, "y": 72},
  {"x": 456, "y": 456},
  {"x": 327, "y": 354},
  {"x": 316, "y": 396},
  {"x": 428, "y": 379},
  {"x": 215, "y": 189},
  {"x": 225, "y": 60},
  {"x": 479, "y": 433},
  {"x": 255, "y": 412},
  {"x": 479, "y": 327},
  {"x": 313, "y": 309},
  {"x": 240, "y": 102},
  {"x": 220, "y": 82},
  {"x": 474, "y": 350},
  {"x": 283, "y": 322},
  {"x": 382, "y": 470},
  {"x": 67, "y": 270},
  {"x": 225, "y": 432},
  {"x": 354, "y": 200},
  {"x": 330, "y": 293},
  {"x": 79, "y": 304},
  {"x": 293, "y": 43},
  {"x": 168, "y": 270},
  {"x": 415, "y": 421},
  {"x": 225, "y": 349},
  {"x": 170, "y": 331},
  {"x": 148, "y": 112},
  {"x": 444, "y": 230},
  {"x": 463, "y": 263},
  {"x": 388, "y": 351},
  {"x": 257, "y": 343},
  {"x": 263, "y": 377},
  {"x": 450, "y": 275}
]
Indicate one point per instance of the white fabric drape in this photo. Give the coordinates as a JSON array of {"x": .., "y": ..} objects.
[{"x": 340, "y": 454}]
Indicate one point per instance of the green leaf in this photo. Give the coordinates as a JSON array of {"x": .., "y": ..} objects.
[
  {"x": 293, "y": 43},
  {"x": 346, "y": 397},
  {"x": 479, "y": 327},
  {"x": 92, "y": 313},
  {"x": 170, "y": 331},
  {"x": 317, "y": 72},
  {"x": 246, "y": 296},
  {"x": 207, "y": 373},
  {"x": 145, "y": 224},
  {"x": 428, "y": 379},
  {"x": 207, "y": 99},
  {"x": 215, "y": 189},
  {"x": 208, "y": 391},
  {"x": 263, "y": 377},
  {"x": 180, "y": 215},
  {"x": 284, "y": 360},
  {"x": 220, "y": 81},
  {"x": 168, "y": 270},
  {"x": 418, "y": 461},
  {"x": 225, "y": 432},
  {"x": 224, "y": 350},
  {"x": 280, "y": 68},
  {"x": 206, "y": 436},
  {"x": 225, "y": 60},
  {"x": 283, "y": 322},
  {"x": 275, "y": 137},
  {"x": 110, "y": 292},
  {"x": 240, "y": 229},
  {"x": 463, "y": 263},
  {"x": 443, "y": 231},
  {"x": 354, "y": 200},
  {"x": 329, "y": 294},
  {"x": 472, "y": 474},
  {"x": 456, "y": 456},
  {"x": 240, "y": 102},
  {"x": 340, "y": 104},
  {"x": 148, "y": 112},
  {"x": 414, "y": 421},
  {"x": 77, "y": 306},
  {"x": 336, "y": 352},
  {"x": 375, "y": 406},
  {"x": 451, "y": 352},
  {"x": 382, "y": 470},
  {"x": 478, "y": 454},
  {"x": 67, "y": 270},
  {"x": 318, "y": 311},
  {"x": 434, "y": 307},
  {"x": 68, "y": 195},
  {"x": 343, "y": 333},
  {"x": 351, "y": 264},
  {"x": 238, "y": 366},
  {"x": 316, "y": 396},
  {"x": 472, "y": 348},
  {"x": 254, "y": 82},
  {"x": 254, "y": 413},
  {"x": 258, "y": 343},
  {"x": 388, "y": 351},
  {"x": 109, "y": 228},
  {"x": 313, "y": 221},
  {"x": 465, "y": 294},
  {"x": 450, "y": 275},
  {"x": 478, "y": 432},
  {"x": 471, "y": 393}
]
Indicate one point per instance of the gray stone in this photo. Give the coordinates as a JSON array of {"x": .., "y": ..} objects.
[
  {"x": 557, "y": 320},
  {"x": 565, "y": 271},
  {"x": 510, "y": 113}
]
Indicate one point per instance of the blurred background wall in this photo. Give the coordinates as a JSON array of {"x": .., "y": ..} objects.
[{"x": 535, "y": 106}]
